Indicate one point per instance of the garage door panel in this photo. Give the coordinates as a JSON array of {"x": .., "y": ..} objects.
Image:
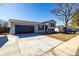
[{"x": 23, "y": 29}]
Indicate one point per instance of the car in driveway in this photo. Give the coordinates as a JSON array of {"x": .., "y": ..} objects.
[{"x": 71, "y": 31}]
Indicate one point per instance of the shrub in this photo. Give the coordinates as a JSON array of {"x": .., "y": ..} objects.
[
  {"x": 4, "y": 29},
  {"x": 71, "y": 27}
]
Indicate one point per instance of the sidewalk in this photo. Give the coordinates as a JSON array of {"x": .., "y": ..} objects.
[{"x": 69, "y": 48}]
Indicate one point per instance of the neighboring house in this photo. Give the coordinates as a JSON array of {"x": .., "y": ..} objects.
[
  {"x": 56, "y": 29},
  {"x": 59, "y": 28},
  {"x": 19, "y": 26}
]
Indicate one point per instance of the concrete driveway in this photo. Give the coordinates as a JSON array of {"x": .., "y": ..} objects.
[{"x": 28, "y": 45}]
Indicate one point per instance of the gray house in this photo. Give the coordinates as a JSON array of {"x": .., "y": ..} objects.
[{"x": 20, "y": 27}]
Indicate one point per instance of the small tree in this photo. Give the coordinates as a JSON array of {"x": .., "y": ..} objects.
[
  {"x": 65, "y": 11},
  {"x": 75, "y": 19}
]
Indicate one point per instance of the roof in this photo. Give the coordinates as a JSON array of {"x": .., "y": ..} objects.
[
  {"x": 61, "y": 25},
  {"x": 49, "y": 21},
  {"x": 15, "y": 20},
  {"x": 21, "y": 20}
]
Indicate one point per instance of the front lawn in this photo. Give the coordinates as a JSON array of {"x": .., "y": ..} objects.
[{"x": 62, "y": 36}]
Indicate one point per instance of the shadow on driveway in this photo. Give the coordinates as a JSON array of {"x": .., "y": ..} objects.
[
  {"x": 3, "y": 40},
  {"x": 28, "y": 35},
  {"x": 32, "y": 34}
]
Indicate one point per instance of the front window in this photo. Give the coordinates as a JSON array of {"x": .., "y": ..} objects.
[
  {"x": 52, "y": 24},
  {"x": 40, "y": 27}
]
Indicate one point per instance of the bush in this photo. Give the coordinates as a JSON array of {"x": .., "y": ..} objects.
[
  {"x": 4, "y": 29},
  {"x": 71, "y": 27}
]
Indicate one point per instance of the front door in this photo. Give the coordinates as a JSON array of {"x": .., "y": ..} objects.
[{"x": 46, "y": 28}]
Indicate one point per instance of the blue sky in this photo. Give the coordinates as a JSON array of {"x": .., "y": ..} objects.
[{"x": 38, "y": 12}]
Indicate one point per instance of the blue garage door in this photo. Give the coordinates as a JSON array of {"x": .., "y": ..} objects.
[{"x": 20, "y": 29}]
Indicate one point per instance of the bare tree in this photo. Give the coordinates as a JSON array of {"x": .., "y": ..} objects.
[
  {"x": 3, "y": 23},
  {"x": 65, "y": 11}
]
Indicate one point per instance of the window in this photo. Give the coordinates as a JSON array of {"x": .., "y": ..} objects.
[
  {"x": 40, "y": 27},
  {"x": 52, "y": 24}
]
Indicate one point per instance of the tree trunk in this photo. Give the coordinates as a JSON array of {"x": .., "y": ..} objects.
[{"x": 66, "y": 25}]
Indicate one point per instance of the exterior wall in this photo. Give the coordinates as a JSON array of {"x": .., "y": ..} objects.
[
  {"x": 51, "y": 27},
  {"x": 12, "y": 28},
  {"x": 36, "y": 28}
]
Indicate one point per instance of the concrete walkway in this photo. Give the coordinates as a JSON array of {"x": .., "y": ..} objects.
[
  {"x": 10, "y": 47},
  {"x": 68, "y": 48},
  {"x": 28, "y": 46},
  {"x": 37, "y": 45}
]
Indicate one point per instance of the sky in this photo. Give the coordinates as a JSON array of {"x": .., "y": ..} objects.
[{"x": 38, "y": 12}]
